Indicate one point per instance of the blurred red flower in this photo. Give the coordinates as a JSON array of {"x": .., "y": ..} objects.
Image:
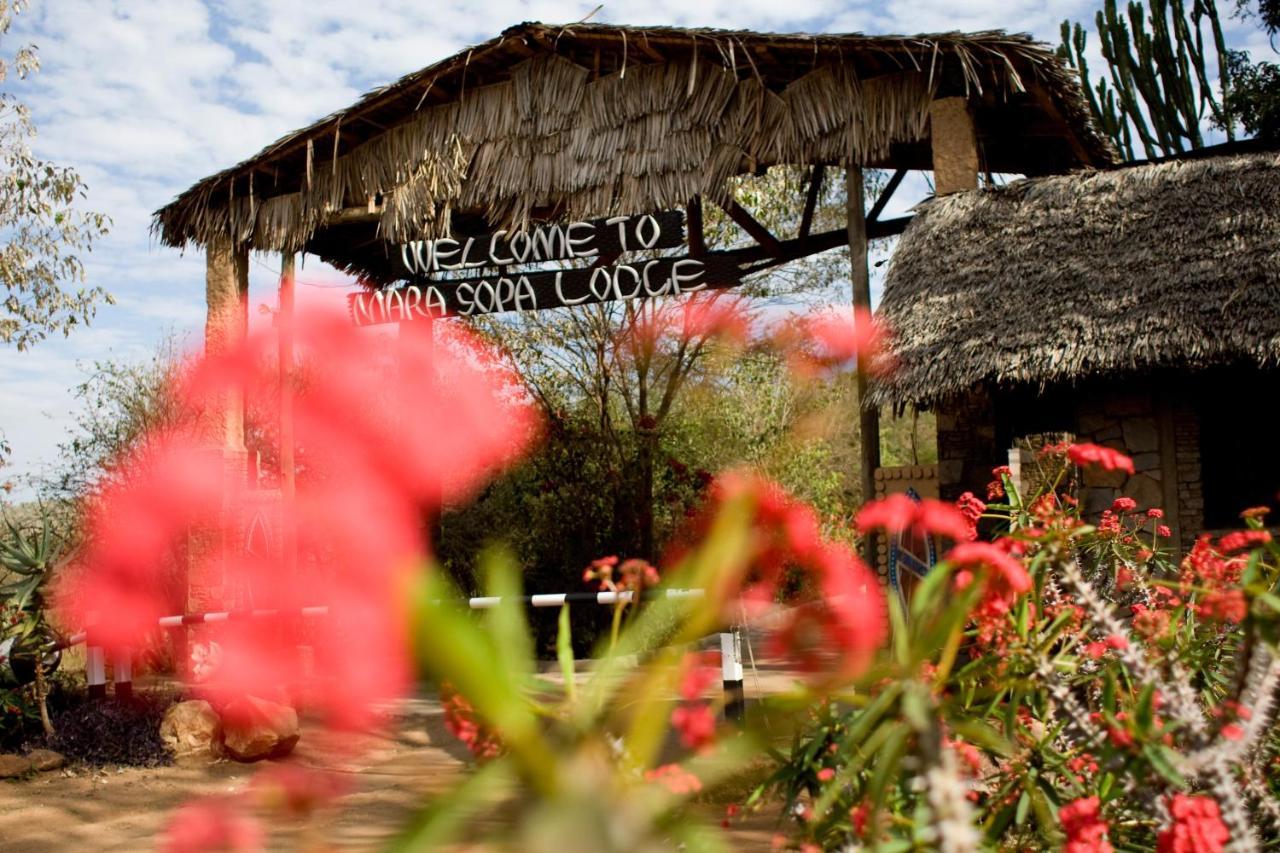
[
  {"x": 1096, "y": 454},
  {"x": 390, "y": 429}
]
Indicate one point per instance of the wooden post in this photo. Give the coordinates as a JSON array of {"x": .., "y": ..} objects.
[
  {"x": 422, "y": 333},
  {"x": 288, "y": 489},
  {"x": 860, "y": 276},
  {"x": 955, "y": 146},
  {"x": 227, "y": 323}
]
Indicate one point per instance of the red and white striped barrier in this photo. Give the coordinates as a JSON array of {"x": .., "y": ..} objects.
[{"x": 122, "y": 670}]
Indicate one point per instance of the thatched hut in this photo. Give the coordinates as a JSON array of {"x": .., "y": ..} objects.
[{"x": 1137, "y": 307}]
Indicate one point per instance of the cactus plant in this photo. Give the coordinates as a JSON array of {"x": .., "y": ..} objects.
[{"x": 1160, "y": 91}]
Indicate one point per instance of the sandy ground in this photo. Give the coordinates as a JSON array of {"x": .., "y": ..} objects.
[{"x": 126, "y": 808}]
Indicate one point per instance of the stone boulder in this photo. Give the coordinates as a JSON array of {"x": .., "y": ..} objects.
[
  {"x": 45, "y": 760},
  {"x": 14, "y": 766},
  {"x": 254, "y": 729},
  {"x": 192, "y": 728}
]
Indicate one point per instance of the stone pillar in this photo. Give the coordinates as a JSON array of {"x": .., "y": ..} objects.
[{"x": 955, "y": 146}]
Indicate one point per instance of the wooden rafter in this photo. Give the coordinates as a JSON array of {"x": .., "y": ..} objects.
[
  {"x": 811, "y": 200},
  {"x": 885, "y": 194},
  {"x": 697, "y": 238},
  {"x": 748, "y": 223}
]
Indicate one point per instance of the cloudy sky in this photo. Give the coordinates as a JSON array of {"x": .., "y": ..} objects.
[{"x": 144, "y": 97}]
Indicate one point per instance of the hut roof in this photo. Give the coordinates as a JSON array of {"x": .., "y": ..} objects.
[
  {"x": 1172, "y": 264},
  {"x": 590, "y": 120}
]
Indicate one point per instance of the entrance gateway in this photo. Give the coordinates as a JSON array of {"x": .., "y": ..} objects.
[{"x": 536, "y": 145}]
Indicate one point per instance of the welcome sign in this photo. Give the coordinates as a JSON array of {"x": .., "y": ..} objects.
[{"x": 425, "y": 295}]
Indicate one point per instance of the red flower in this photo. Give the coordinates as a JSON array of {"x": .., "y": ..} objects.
[
  {"x": 696, "y": 724},
  {"x": 1197, "y": 826},
  {"x": 699, "y": 675},
  {"x": 461, "y": 721},
  {"x": 1163, "y": 531},
  {"x": 211, "y": 825},
  {"x": 675, "y": 778},
  {"x": 357, "y": 514},
  {"x": 1096, "y": 454},
  {"x": 898, "y": 512},
  {"x": 1008, "y": 570},
  {"x": 894, "y": 514},
  {"x": 1084, "y": 827},
  {"x": 1226, "y": 606},
  {"x": 826, "y": 774},
  {"x": 1155, "y": 512},
  {"x": 995, "y": 489},
  {"x": 1095, "y": 650},
  {"x": 1243, "y": 540},
  {"x": 1115, "y": 641},
  {"x": 1123, "y": 504}
]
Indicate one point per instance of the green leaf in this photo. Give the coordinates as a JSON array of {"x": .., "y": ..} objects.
[{"x": 564, "y": 653}]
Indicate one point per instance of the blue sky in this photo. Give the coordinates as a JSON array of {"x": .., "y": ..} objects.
[{"x": 144, "y": 97}]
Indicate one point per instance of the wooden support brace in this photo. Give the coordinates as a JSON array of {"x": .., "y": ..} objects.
[
  {"x": 860, "y": 276},
  {"x": 811, "y": 200},
  {"x": 748, "y": 223},
  {"x": 693, "y": 217},
  {"x": 887, "y": 193}
]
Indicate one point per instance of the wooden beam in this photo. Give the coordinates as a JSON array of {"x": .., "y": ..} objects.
[
  {"x": 693, "y": 220},
  {"x": 811, "y": 199},
  {"x": 885, "y": 194},
  {"x": 860, "y": 275},
  {"x": 749, "y": 224},
  {"x": 288, "y": 486}
]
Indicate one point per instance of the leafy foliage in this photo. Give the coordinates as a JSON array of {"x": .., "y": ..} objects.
[{"x": 44, "y": 234}]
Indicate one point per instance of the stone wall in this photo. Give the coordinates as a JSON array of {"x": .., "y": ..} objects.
[{"x": 967, "y": 448}]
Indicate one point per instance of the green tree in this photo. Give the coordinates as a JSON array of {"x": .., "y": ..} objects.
[{"x": 42, "y": 235}]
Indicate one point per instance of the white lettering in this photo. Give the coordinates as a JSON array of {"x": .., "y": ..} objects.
[
  {"x": 437, "y": 305},
  {"x": 617, "y": 282},
  {"x": 678, "y": 279},
  {"x": 548, "y": 243},
  {"x": 564, "y": 300},
  {"x": 493, "y": 249},
  {"x": 600, "y": 274},
  {"x": 442, "y": 254},
  {"x": 524, "y": 290},
  {"x": 521, "y": 254},
  {"x": 657, "y": 231},
  {"x": 466, "y": 298},
  {"x": 648, "y": 286},
  {"x": 621, "y": 222},
  {"x": 574, "y": 242}
]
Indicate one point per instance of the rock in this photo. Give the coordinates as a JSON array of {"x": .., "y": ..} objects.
[
  {"x": 192, "y": 728},
  {"x": 1096, "y": 500},
  {"x": 254, "y": 729},
  {"x": 1141, "y": 435},
  {"x": 14, "y": 766},
  {"x": 46, "y": 759},
  {"x": 1096, "y": 476},
  {"x": 1145, "y": 491},
  {"x": 1146, "y": 462}
]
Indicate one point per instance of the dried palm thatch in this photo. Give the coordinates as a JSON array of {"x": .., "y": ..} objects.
[
  {"x": 591, "y": 120},
  {"x": 1054, "y": 279}
]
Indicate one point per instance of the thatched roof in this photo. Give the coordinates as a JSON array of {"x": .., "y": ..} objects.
[
  {"x": 591, "y": 120},
  {"x": 1175, "y": 264}
]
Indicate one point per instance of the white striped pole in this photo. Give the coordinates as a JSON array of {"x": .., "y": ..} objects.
[
  {"x": 95, "y": 668},
  {"x": 122, "y": 674},
  {"x": 735, "y": 699}
]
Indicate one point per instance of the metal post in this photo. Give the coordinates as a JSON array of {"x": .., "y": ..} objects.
[{"x": 735, "y": 701}]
